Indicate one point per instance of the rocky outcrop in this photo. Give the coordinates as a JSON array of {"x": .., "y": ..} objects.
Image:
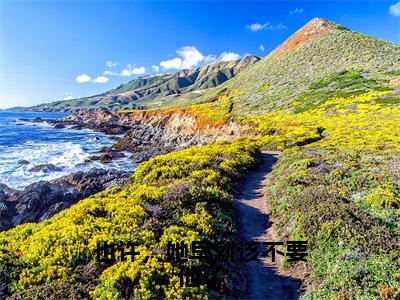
[
  {"x": 41, "y": 200},
  {"x": 150, "y": 134}
]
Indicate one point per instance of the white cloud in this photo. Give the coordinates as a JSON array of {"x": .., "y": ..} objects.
[
  {"x": 297, "y": 11},
  {"x": 266, "y": 26},
  {"x": 280, "y": 26},
  {"x": 261, "y": 47},
  {"x": 83, "y": 78},
  {"x": 130, "y": 71},
  {"x": 394, "y": 9},
  {"x": 108, "y": 72},
  {"x": 111, "y": 63},
  {"x": 188, "y": 57},
  {"x": 155, "y": 68},
  {"x": 227, "y": 56},
  {"x": 101, "y": 79},
  {"x": 210, "y": 58},
  {"x": 175, "y": 63},
  {"x": 191, "y": 57},
  {"x": 86, "y": 78},
  {"x": 256, "y": 27}
]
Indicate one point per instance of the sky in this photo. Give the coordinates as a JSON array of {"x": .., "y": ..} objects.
[{"x": 55, "y": 50}]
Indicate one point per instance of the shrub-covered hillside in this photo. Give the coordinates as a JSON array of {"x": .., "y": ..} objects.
[
  {"x": 335, "y": 185},
  {"x": 339, "y": 189},
  {"x": 318, "y": 51},
  {"x": 182, "y": 196}
]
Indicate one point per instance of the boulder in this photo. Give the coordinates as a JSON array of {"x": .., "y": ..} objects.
[
  {"x": 45, "y": 168},
  {"x": 23, "y": 162},
  {"x": 59, "y": 126}
]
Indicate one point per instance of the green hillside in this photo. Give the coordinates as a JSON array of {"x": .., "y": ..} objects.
[
  {"x": 154, "y": 90},
  {"x": 320, "y": 60}
]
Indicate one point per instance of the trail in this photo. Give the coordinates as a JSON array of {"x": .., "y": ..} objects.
[{"x": 262, "y": 278}]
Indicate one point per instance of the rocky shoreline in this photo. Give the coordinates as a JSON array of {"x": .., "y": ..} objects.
[
  {"x": 144, "y": 135},
  {"x": 141, "y": 135}
]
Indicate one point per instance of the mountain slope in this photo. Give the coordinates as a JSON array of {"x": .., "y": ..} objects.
[
  {"x": 320, "y": 58},
  {"x": 157, "y": 88}
]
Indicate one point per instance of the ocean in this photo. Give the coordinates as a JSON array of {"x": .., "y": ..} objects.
[{"x": 40, "y": 143}]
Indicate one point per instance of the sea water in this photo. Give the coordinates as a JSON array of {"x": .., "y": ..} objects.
[{"x": 40, "y": 143}]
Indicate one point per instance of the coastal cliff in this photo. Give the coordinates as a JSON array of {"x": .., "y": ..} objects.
[{"x": 147, "y": 134}]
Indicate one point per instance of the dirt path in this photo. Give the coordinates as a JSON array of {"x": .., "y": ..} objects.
[{"x": 262, "y": 277}]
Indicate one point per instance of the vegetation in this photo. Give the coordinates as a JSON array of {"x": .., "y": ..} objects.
[
  {"x": 278, "y": 81},
  {"x": 346, "y": 204},
  {"x": 184, "y": 195},
  {"x": 337, "y": 186}
]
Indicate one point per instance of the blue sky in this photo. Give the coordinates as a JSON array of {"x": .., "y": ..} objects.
[{"x": 54, "y": 50}]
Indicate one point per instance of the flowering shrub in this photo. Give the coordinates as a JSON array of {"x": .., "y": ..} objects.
[
  {"x": 336, "y": 184},
  {"x": 185, "y": 195}
]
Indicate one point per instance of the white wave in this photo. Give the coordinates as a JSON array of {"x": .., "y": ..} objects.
[{"x": 69, "y": 156}]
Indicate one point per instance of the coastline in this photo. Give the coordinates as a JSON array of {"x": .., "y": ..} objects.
[
  {"x": 141, "y": 136},
  {"x": 43, "y": 198}
]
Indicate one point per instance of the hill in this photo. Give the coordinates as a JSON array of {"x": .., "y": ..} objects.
[
  {"x": 321, "y": 60},
  {"x": 156, "y": 89}
]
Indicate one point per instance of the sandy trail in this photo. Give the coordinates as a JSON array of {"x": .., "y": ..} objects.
[{"x": 262, "y": 278}]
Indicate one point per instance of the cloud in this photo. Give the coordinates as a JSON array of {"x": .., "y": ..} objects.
[
  {"x": 227, "y": 56},
  {"x": 101, "y": 79},
  {"x": 131, "y": 71},
  {"x": 155, "y": 68},
  {"x": 210, "y": 58},
  {"x": 83, "y": 78},
  {"x": 175, "y": 63},
  {"x": 256, "y": 27},
  {"x": 188, "y": 57},
  {"x": 191, "y": 57},
  {"x": 111, "y": 63},
  {"x": 296, "y": 11},
  {"x": 108, "y": 72},
  {"x": 278, "y": 27},
  {"x": 266, "y": 26},
  {"x": 394, "y": 9},
  {"x": 261, "y": 47}
]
